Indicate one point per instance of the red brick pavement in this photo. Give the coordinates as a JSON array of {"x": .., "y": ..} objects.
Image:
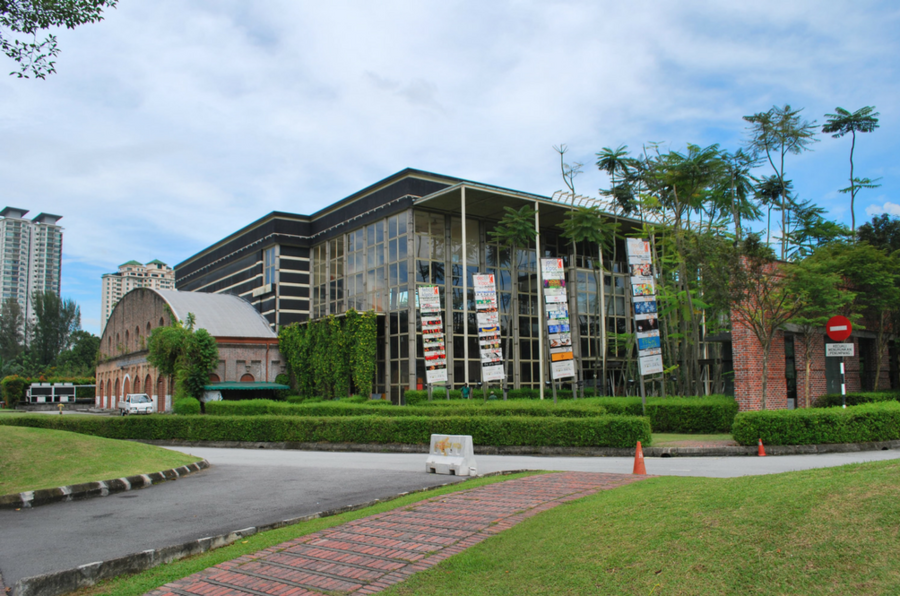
[{"x": 370, "y": 554}]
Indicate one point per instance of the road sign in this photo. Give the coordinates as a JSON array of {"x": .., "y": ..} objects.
[
  {"x": 838, "y": 350},
  {"x": 838, "y": 328}
]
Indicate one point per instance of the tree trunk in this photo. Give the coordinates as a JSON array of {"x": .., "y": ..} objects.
[{"x": 765, "y": 371}]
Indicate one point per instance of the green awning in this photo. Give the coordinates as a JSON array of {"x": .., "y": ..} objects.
[{"x": 243, "y": 386}]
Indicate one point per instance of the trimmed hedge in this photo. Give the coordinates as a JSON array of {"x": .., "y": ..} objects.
[
  {"x": 854, "y": 399},
  {"x": 691, "y": 415},
  {"x": 857, "y": 424},
  {"x": 453, "y": 408},
  {"x": 186, "y": 406},
  {"x": 415, "y": 397},
  {"x": 599, "y": 431}
]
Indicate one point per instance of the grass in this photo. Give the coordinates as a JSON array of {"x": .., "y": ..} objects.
[
  {"x": 672, "y": 439},
  {"x": 825, "y": 531},
  {"x": 33, "y": 458},
  {"x": 141, "y": 583}
]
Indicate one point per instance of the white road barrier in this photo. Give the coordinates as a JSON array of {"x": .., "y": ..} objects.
[{"x": 451, "y": 454}]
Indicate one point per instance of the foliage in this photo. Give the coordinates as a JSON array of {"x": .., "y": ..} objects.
[
  {"x": 13, "y": 390},
  {"x": 325, "y": 355},
  {"x": 883, "y": 232},
  {"x": 818, "y": 426},
  {"x": 761, "y": 299},
  {"x": 187, "y": 354},
  {"x": 282, "y": 379},
  {"x": 778, "y": 132},
  {"x": 186, "y": 406},
  {"x": 712, "y": 414},
  {"x": 28, "y": 17},
  {"x": 599, "y": 431},
  {"x": 56, "y": 320},
  {"x": 833, "y": 400},
  {"x": 81, "y": 359},
  {"x": 843, "y": 122},
  {"x": 12, "y": 329}
]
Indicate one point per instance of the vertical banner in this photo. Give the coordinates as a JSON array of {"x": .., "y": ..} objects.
[
  {"x": 559, "y": 333},
  {"x": 643, "y": 297},
  {"x": 488, "y": 319},
  {"x": 433, "y": 334}
]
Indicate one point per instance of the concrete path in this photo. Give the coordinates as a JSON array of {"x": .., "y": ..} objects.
[
  {"x": 710, "y": 467},
  {"x": 368, "y": 555}
]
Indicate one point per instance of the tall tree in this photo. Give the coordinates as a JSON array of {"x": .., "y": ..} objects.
[
  {"x": 55, "y": 322},
  {"x": 760, "y": 297},
  {"x": 514, "y": 231},
  {"x": 81, "y": 359},
  {"x": 777, "y": 133},
  {"x": 26, "y": 18},
  {"x": 843, "y": 122},
  {"x": 187, "y": 354},
  {"x": 12, "y": 330},
  {"x": 738, "y": 189},
  {"x": 817, "y": 282},
  {"x": 882, "y": 232},
  {"x": 617, "y": 165}
]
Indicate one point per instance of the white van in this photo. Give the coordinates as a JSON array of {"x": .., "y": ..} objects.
[{"x": 136, "y": 403}]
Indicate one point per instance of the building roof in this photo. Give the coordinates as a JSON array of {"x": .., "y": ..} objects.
[
  {"x": 244, "y": 386},
  {"x": 156, "y": 262},
  {"x": 47, "y": 218},
  {"x": 14, "y": 212},
  {"x": 132, "y": 263},
  {"x": 222, "y": 315}
]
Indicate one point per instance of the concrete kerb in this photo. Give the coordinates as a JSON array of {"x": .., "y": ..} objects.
[
  {"x": 96, "y": 489},
  {"x": 70, "y": 580},
  {"x": 734, "y": 451}
]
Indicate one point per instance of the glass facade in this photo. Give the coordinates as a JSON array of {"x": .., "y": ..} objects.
[{"x": 385, "y": 261}]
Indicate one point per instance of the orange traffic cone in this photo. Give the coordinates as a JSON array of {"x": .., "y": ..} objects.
[
  {"x": 639, "y": 460},
  {"x": 762, "y": 452}
]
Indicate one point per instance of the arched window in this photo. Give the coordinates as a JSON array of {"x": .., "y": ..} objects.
[
  {"x": 127, "y": 340},
  {"x": 148, "y": 330},
  {"x": 137, "y": 338},
  {"x": 213, "y": 378},
  {"x": 161, "y": 322},
  {"x": 147, "y": 385},
  {"x": 116, "y": 395},
  {"x": 126, "y": 386},
  {"x": 137, "y": 385},
  {"x": 247, "y": 378}
]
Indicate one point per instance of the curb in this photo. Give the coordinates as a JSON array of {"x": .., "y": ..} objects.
[
  {"x": 735, "y": 451},
  {"x": 70, "y": 580},
  {"x": 75, "y": 492}
]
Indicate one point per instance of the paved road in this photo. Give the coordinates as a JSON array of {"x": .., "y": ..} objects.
[{"x": 250, "y": 487}]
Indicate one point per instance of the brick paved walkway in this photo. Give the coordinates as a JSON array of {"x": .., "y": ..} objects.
[{"x": 370, "y": 554}]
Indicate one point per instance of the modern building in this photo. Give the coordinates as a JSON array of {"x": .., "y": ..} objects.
[
  {"x": 372, "y": 249},
  {"x": 31, "y": 256},
  {"x": 155, "y": 275},
  {"x": 249, "y": 360}
]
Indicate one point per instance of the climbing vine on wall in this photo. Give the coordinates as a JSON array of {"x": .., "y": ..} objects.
[{"x": 332, "y": 357}]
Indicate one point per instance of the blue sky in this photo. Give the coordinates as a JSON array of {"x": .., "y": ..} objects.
[{"x": 172, "y": 124}]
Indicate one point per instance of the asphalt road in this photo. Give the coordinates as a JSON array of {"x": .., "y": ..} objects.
[{"x": 250, "y": 487}]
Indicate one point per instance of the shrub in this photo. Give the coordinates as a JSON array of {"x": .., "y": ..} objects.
[
  {"x": 857, "y": 424},
  {"x": 282, "y": 379},
  {"x": 598, "y": 431},
  {"x": 384, "y": 409},
  {"x": 186, "y": 406},
  {"x": 854, "y": 399},
  {"x": 13, "y": 388}
]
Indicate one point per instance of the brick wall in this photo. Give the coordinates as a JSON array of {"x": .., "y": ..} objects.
[{"x": 748, "y": 374}]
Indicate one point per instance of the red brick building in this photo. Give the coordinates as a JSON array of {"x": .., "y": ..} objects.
[{"x": 248, "y": 348}]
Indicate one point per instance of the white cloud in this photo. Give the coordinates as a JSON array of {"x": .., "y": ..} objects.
[
  {"x": 887, "y": 207},
  {"x": 172, "y": 124}
]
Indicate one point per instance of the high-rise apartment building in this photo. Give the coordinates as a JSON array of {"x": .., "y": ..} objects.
[
  {"x": 30, "y": 256},
  {"x": 155, "y": 275}
]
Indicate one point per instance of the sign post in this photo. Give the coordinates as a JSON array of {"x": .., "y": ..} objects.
[{"x": 839, "y": 328}]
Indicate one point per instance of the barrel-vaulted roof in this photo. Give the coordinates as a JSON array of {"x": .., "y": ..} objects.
[{"x": 222, "y": 315}]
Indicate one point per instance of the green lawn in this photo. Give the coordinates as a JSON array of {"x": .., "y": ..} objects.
[
  {"x": 32, "y": 458},
  {"x": 828, "y": 531}
]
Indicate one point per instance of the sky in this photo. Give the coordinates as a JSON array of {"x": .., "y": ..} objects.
[{"x": 171, "y": 124}]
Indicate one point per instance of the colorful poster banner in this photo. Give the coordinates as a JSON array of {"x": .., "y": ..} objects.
[
  {"x": 432, "y": 334},
  {"x": 556, "y": 308},
  {"x": 488, "y": 319},
  {"x": 643, "y": 292}
]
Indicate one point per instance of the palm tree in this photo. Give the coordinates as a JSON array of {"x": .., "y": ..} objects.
[
  {"x": 862, "y": 120},
  {"x": 617, "y": 164},
  {"x": 739, "y": 190}
]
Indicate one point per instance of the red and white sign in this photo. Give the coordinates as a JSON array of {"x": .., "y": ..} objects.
[{"x": 838, "y": 328}]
